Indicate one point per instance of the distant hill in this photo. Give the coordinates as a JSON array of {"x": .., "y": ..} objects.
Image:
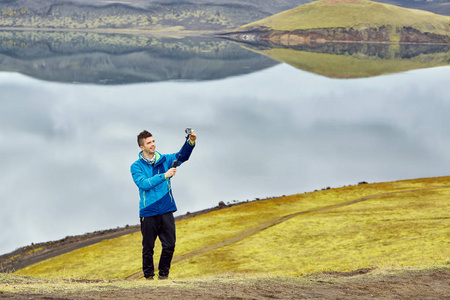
[
  {"x": 348, "y": 21},
  {"x": 171, "y": 15}
]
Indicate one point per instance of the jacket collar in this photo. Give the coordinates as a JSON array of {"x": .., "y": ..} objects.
[{"x": 157, "y": 158}]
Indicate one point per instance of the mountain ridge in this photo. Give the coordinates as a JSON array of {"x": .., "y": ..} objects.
[
  {"x": 181, "y": 16},
  {"x": 150, "y": 15}
]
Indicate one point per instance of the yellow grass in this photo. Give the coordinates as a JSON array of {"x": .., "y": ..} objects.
[
  {"x": 407, "y": 228},
  {"x": 393, "y": 231}
]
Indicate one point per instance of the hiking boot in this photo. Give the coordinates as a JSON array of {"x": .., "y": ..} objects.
[
  {"x": 149, "y": 278},
  {"x": 162, "y": 277}
]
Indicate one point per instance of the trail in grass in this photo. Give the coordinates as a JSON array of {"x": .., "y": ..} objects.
[{"x": 274, "y": 222}]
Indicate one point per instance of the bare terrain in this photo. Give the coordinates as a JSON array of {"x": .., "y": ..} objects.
[{"x": 360, "y": 284}]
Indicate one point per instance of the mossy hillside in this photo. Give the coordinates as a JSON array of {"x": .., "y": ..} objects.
[
  {"x": 372, "y": 233},
  {"x": 409, "y": 229},
  {"x": 357, "y": 14},
  {"x": 354, "y": 66},
  {"x": 102, "y": 260}
]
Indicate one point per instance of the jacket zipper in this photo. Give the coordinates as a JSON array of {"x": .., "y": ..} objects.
[
  {"x": 170, "y": 193},
  {"x": 158, "y": 201}
]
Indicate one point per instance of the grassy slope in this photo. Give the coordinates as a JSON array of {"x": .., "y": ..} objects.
[
  {"x": 358, "y": 14},
  {"x": 405, "y": 229},
  {"x": 353, "y": 66}
]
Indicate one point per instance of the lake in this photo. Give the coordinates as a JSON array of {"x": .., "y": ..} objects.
[{"x": 270, "y": 121}]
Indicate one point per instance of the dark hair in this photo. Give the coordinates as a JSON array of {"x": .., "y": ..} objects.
[{"x": 142, "y": 136}]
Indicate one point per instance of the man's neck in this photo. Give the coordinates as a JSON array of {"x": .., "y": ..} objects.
[{"x": 148, "y": 156}]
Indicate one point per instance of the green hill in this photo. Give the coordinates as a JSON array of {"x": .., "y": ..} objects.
[
  {"x": 349, "y": 20},
  {"x": 381, "y": 225}
]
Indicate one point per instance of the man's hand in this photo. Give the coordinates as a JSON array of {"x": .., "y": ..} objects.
[
  {"x": 170, "y": 173},
  {"x": 193, "y": 137}
]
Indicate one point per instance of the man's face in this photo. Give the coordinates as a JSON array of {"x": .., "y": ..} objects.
[{"x": 149, "y": 146}]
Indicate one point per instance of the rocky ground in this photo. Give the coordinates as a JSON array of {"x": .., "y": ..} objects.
[{"x": 430, "y": 284}]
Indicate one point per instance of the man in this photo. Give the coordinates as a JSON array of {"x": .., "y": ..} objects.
[{"x": 152, "y": 173}]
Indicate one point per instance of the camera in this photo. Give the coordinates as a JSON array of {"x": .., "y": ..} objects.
[{"x": 188, "y": 132}]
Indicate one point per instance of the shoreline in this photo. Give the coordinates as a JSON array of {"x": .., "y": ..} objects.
[{"x": 228, "y": 35}]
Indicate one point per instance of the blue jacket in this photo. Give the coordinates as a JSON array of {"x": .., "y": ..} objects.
[{"x": 155, "y": 191}]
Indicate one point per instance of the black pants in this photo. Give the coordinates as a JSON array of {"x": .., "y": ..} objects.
[{"x": 162, "y": 226}]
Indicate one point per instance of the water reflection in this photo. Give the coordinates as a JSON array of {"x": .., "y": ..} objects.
[
  {"x": 355, "y": 60},
  {"x": 123, "y": 59},
  {"x": 81, "y": 57}
]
